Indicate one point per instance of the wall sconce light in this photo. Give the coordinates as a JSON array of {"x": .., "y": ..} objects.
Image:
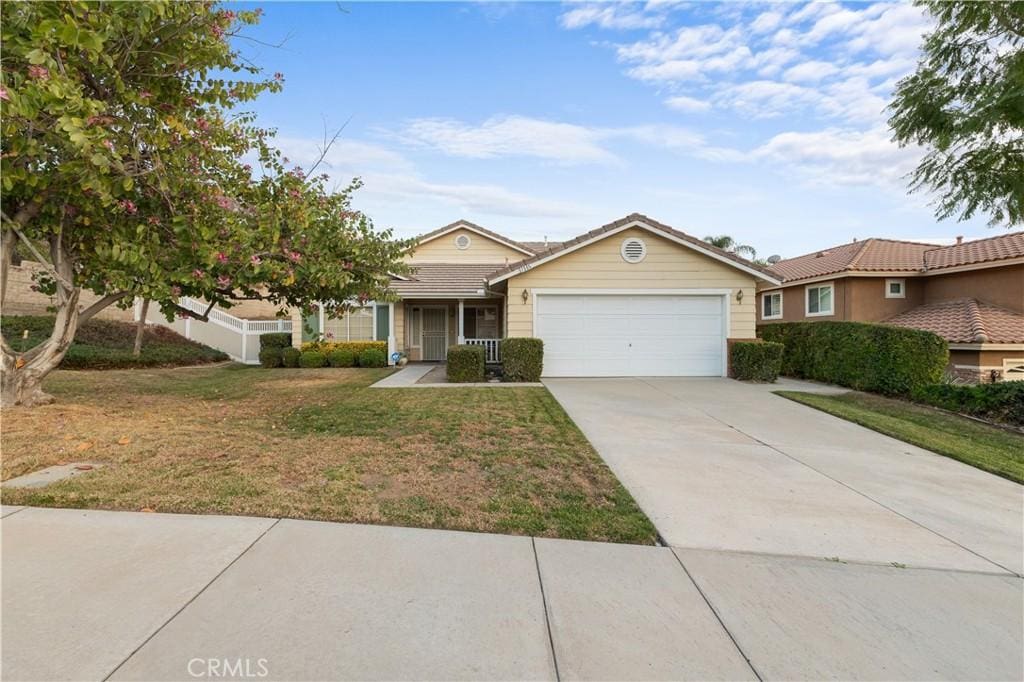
[
  {"x": 739, "y": 296},
  {"x": 526, "y": 296}
]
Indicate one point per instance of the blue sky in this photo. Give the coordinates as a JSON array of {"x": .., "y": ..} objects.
[{"x": 763, "y": 121}]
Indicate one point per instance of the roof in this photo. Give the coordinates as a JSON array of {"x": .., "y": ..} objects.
[
  {"x": 964, "y": 320},
  {"x": 893, "y": 255},
  {"x": 559, "y": 249},
  {"x": 537, "y": 247},
  {"x": 450, "y": 279},
  {"x": 450, "y": 227}
]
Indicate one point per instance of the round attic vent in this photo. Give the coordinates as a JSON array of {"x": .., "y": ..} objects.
[
  {"x": 462, "y": 242},
  {"x": 633, "y": 250}
]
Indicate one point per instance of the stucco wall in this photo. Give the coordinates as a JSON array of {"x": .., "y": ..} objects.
[
  {"x": 481, "y": 250},
  {"x": 794, "y": 305},
  {"x": 600, "y": 266},
  {"x": 869, "y": 304},
  {"x": 1002, "y": 286},
  {"x": 21, "y": 300}
]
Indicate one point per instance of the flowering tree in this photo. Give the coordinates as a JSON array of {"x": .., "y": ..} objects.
[{"x": 123, "y": 169}]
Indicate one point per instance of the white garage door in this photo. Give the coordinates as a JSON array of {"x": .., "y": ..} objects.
[{"x": 605, "y": 335}]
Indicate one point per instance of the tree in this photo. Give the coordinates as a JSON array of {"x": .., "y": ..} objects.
[
  {"x": 727, "y": 243},
  {"x": 124, "y": 160},
  {"x": 965, "y": 105}
]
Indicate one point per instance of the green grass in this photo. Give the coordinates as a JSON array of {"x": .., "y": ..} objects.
[
  {"x": 320, "y": 444},
  {"x": 107, "y": 344},
  {"x": 988, "y": 448}
]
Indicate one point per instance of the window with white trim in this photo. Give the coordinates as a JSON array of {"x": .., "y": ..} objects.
[
  {"x": 354, "y": 325},
  {"x": 771, "y": 305},
  {"x": 819, "y": 300},
  {"x": 895, "y": 288}
]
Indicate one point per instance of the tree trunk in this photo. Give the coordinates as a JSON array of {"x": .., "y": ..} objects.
[{"x": 140, "y": 328}]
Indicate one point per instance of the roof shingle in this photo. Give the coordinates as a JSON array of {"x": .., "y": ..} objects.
[
  {"x": 452, "y": 279},
  {"x": 964, "y": 320}
]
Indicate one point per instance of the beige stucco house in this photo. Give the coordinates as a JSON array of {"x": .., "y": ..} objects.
[{"x": 631, "y": 298}]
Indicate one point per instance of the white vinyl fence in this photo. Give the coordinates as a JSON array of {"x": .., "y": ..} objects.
[{"x": 232, "y": 335}]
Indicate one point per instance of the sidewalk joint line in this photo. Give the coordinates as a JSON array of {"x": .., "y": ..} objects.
[
  {"x": 544, "y": 603},
  {"x": 717, "y": 615},
  {"x": 194, "y": 597}
]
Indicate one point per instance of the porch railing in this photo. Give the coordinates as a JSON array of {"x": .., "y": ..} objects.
[{"x": 492, "y": 354}]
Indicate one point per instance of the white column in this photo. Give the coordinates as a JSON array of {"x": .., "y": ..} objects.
[
  {"x": 392, "y": 346},
  {"x": 462, "y": 331},
  {"x": 322, "y": 320},
  {"x": 245, "y": 339}
]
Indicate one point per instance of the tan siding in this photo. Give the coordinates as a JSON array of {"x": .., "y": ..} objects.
[
  {"x": 481, "y": 250},
  {"x": 667, "y": 266}
]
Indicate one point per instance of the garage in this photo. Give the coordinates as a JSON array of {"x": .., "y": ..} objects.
[{"x": 632, "y": 334}]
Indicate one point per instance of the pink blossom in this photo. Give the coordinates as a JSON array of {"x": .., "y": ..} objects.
[
  {"x": 198, "y": 274},
  {"x": 255, "y": 260},
  {"x": 38, "y": 72},
  {"x": 3, "y": 94},
  {"x": 108, "y": 144},
  {"x": 222, "y": 257},
  {"x": 202, "y": 123},
  {"x": 145, "y": 94},
  {"x": 329, "y": 335},
  {"x": 175, "y": 290},
  {"x": 184, "y": 314},
  {"x": 279, "y": 76},
  {"x": 295, "y": 256},
  {"x": 294, "y": 193},
  {"x": 128, "y": 206},
  {"x": 246, "y": 167},
  {"x": 224, "y": 202},
  {"x": 347, "y": 265},
  {"x": 224, "y": 281}
]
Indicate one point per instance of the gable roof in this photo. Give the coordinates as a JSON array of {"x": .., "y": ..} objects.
[
  {"x": 465, "y": 224},
  {"x": 444, "y": 279},
  {"x": 964, "y": 320},
  {"x": 633, "y": 220},
  {"x": 894, "y": 255}
]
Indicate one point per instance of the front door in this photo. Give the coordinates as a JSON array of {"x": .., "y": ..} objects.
[{"x": 435, "y": 333}]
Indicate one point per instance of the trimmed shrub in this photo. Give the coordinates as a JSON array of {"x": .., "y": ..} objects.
[
  {"x": 1002, "y": 402},
  {"x": 756, "y": 360},
  {"x": 863, "y": 356},
  {"x": 373, "y": 357},
  {"x": 290, "y": 356},
  {"x": 276, "y": 340},
  {"x": 270, "y": 357},
  {"x": 465, "y": 364},
  {"x": 341, "y": 358},
  {"x": 355, "y": 347},
  {"x": 522, "y": 359},
  {"x": 311, "y": 359}
]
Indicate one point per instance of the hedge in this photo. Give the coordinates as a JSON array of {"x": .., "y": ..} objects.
[
  {"x": 1002, "y": 402},
  {"x": 270, "y": 357},
  {"x": 290, "y": 356},
  {"x": 276, "y": 340},
  {"x": 755, "y": 360},
  {"x": 863, "y": 356},
  {"x": 465, "y": 364},
  {"x": 312, "y": 359},
  {"x": 522, "y": 359},
  {"x": 355, "y": 347},
  {"x": 373, "y": 357},
  {"x": 341, "y": 358}
]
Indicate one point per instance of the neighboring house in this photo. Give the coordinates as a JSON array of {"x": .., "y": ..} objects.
[
  {"x": 631, "y": 298},
  {"x": 970, "y": 293}
]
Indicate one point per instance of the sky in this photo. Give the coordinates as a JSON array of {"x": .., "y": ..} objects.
[{"x": 763, "y": 121}]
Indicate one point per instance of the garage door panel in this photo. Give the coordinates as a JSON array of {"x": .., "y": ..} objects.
[{"x": 631, "y": 335}]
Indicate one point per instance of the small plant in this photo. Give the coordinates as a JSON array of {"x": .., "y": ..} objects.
[
  {"x": 465, "y": 364},
  {"x": 1002, "y": 402},
  {"x": 275, "y": 340},
  {"x": 311, "y": 359},
  {"x": 755, "y": 360},
  {"x": 341, "y": 358},
  {"x": 373, "y": 357},
  {"x": 290, "y": 356},
  {"x": 270, "y": 357},
  {"x": 522, "y": 359}
]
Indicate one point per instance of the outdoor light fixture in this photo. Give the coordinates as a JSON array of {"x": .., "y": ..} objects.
[
  {"x": 526, "y": 296},
  {"x": 739, "y": 296}
]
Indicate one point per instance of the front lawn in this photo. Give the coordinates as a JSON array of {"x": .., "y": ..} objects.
[
  {"x": 320, "y": 444},
  {"x": 989, "y": 448}
]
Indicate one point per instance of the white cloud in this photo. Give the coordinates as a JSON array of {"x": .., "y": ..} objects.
[
  {"x": 687, "y": 104},
  {"x": 766, "y": 21},
  {"x": 609, "y": 16},
  {"x": 810, "y": 72},
  {"x": 766, "y": 99}
]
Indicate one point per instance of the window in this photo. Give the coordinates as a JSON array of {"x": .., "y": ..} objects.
[
  {"x": 462, "y": 242},
  {"x": 771, "y": 306},
  {"x": 895, "y": 288},
  {"x": 819, "y": 300},
  {"x": 1013, "y": 369},
  {"x": 355, "y": 325},
  {"x": 633, "y": 250}
]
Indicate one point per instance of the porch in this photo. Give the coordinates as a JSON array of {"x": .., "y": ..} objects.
[{"x": 429, "y": 326}]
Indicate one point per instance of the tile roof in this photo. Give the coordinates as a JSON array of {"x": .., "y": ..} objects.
[
  {"x": 483, "y": 230},
  {"x": 964, "y": 320},
  {"x": 892, "y": 255},
  {"x": 538, "y": 247},
  {"x": 631, "y": 218},
  {"x": 453, "y": 279}
]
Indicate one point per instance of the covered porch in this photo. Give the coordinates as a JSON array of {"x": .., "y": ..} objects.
[{"x": 429, "y": 325}]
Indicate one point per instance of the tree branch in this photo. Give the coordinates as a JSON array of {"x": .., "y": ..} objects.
[{"x": 99, "y": 305}]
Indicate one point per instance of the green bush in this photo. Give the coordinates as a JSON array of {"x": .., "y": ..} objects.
[
  {"x": 276, "y": 340},
  {"x": 311, "y": 359},
  {"x": 270, "y": 357},
  {"x": 356, "y": 347},
  {"x": 1002, "y": 402},
  {"x": 373, "y": 357},
  {"x": 866, "y": 357},
  {"x": 290, "y": 356},
  {"x": 465, "y": 364},
  {"x": 522, "y": 359},
  {"x": 341, "y": 358},
  {"x": 756, "y": 360}
]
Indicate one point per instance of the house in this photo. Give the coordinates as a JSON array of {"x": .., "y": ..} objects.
[
  {"x": 632, "y": 298},
  {"x": 970, "y": 293}
]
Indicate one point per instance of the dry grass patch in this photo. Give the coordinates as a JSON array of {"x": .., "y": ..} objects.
[{"x": 319, "y": 444}]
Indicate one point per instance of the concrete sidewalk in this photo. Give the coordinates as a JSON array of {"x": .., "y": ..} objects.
[{"x": 128, "y": 596}]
